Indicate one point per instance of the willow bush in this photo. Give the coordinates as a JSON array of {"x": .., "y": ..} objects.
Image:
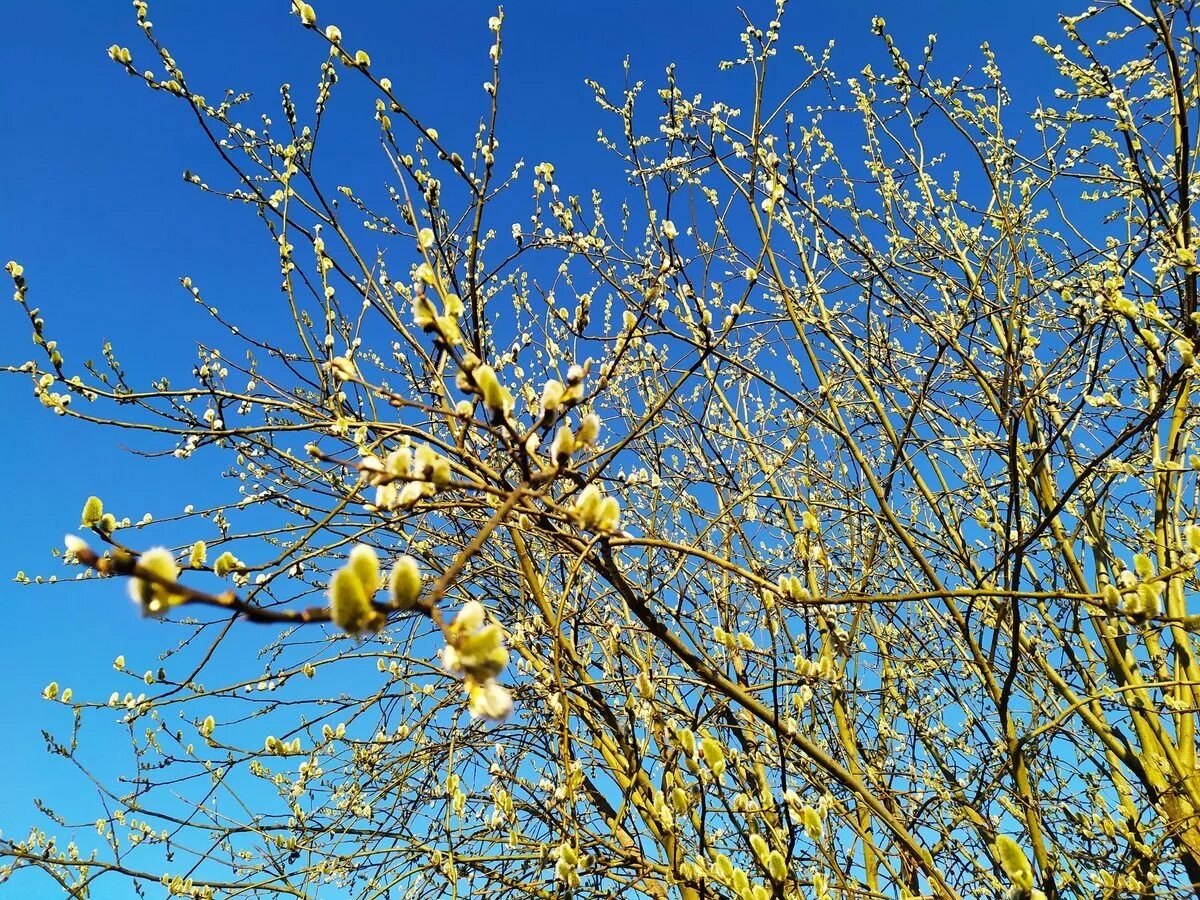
[{"x": 816, "y": 518}]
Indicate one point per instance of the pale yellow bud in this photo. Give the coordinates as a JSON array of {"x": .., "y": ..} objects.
[
  {"x": 425, "y": 274},
  {"x": 812, "y": 822},
  {"x": 563, "y": 445},
  {"x": 1112, "y": 596},
  {"x": 364, "y": 563},
  {"x": 687, "y": 740},
  {"x": 759, "y": 846},
  {"x": 587, "y": 505},
  {"x": 489, "y": 701},
  {"x": 75, "y": 545},
  {"x": 589, "y": 430},
  {"x": 644, "y": 686},
  {"x": 93, "y": 512},
  {"x": 350, "y": 608},
  {"x": 343, "y": 369},
  {"x": 405, "y": 583},
  {"x": 608, "y": 516},
  {"x": 154, "y": 598},
  {"x": 495, "y": 396},
  {"x": 552, "y": 395},
  {"x": 1014, "y": 862},
  {"x": 680, "y": 799},
  {"x": 714, "y": 756},
  {"x": 777, "y": 866},
  {"x": 470, "y": 617},
  {"x": 225, "y": 564}
]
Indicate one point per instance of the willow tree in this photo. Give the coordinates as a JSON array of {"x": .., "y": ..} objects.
[{"x": 816, "y": 520}]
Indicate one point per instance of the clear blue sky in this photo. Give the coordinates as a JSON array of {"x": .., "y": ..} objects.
[{"x": 94, "y": 207}]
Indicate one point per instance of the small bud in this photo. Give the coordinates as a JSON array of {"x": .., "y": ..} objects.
[{"x": 198, "y": 556}]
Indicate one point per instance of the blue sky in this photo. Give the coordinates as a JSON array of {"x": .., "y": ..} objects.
[{"x": 95, "y": 209}]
